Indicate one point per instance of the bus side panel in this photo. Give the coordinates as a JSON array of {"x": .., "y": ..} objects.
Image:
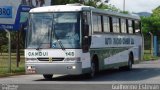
[{"x": 113, "y": 50}]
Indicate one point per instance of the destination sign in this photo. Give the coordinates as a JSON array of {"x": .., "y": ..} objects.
[{"x": 37, "y": 53}]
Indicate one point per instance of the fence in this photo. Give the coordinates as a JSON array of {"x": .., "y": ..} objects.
[
  {"x": 4, "y": 63},
  {"x": 4, "y": 59}
]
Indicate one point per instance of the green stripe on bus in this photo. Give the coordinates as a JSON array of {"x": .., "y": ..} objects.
[{"x": 105, "y": 53}]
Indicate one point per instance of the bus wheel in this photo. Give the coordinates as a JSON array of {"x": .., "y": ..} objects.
[
  {"x": 48, "y": 76},
  {"x": 129, "y": 66},
  {"x": 93, "y": 70}
]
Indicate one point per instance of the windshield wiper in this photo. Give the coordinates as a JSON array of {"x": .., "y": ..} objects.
[{"x": 59, "y": 42}]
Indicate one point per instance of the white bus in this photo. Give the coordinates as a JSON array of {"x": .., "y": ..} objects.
[{"x": 76, "y": 39}]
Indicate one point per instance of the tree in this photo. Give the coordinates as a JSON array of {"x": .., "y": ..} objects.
[
  {"x": 156, "y": 12},
  {"x": 152, "y": 23},
  {"x": 3, "y": 40}
]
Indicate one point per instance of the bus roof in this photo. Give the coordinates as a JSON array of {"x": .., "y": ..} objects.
[{"x": 72, "y": 8}]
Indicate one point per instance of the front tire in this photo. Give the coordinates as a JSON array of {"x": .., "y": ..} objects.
[
  {"x": 48, "y": 76},
  {"x": 93, "y": 70},
  {"x": 129, "y": 66}
]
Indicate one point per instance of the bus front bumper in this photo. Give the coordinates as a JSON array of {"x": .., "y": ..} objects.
[{"x": 72, "y": 68}]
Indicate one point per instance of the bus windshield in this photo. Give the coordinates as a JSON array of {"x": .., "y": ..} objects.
[{"x": 53, "y": 30}]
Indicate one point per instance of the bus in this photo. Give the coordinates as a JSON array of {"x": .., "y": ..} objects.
[{"x": 77, "y": 39}]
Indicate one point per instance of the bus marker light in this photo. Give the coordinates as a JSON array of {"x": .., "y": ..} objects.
[{"x": 69, "y": 67}]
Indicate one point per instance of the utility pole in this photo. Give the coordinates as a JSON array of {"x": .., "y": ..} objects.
[
  {"x": 124, "y": 4},
  {"x": 8, "y": 35}
]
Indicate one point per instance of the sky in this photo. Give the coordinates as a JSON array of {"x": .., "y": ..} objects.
[{"x": 136, "y": 5}]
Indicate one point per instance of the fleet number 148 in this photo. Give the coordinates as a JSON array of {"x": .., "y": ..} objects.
[{"x": 69, "y": 53}]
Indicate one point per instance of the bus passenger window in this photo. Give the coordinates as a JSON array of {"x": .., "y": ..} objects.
[
  {"x": 123, "y": 26},
  {"x": 116, "y": 27},
  {"x": 106, "y": 25},
  {"x": 130, "y": 26},
  {"x": 137, "y": 27},
  {"x": 97, "y": 27}
]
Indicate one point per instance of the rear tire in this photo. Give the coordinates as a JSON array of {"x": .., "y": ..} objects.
[
  {"x": 129, "y": 65},
  {"x": 48, "y": 76}
]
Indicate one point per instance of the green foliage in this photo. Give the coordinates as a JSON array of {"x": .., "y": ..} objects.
[
  {"x": 152, "y": 23},
  {"x": 124, "y": 12},
  {"x": 3, "y": 41},
  {"x": 156, "y": 12},
  {"x": 14, "y": 69},
  {"x": 4, "y": 48},
  {"x": 103, "y": 6},
  {"x": 147, "y": 56}
]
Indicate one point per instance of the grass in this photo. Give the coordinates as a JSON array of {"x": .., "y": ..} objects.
[
  {"x": 4, "y": 64},
  {"x": 147, "y": 56}
]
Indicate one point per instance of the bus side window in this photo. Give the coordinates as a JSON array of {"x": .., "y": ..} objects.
[
  {"x": 137, "y": 26},
  {"x": 97, "y": 26},
  {"x": 115, "y": 23},
  {"x": 106, "y": 24},
  {"x": 123, "y": 26},
  {"x": 130, "y": 27}
]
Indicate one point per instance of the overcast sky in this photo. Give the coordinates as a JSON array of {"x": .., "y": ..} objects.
[{"x": 136, "y": 5}]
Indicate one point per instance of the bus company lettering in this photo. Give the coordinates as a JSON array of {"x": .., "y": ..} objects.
[
  {"x": 37, "y": 53},
  {"x": 119, "y": 41}
]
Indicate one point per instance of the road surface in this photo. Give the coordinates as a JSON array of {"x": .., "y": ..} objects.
[{"x": 142, "y": 73}]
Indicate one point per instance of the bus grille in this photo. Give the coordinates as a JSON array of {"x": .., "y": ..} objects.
[{"x": 53, "y": 59}]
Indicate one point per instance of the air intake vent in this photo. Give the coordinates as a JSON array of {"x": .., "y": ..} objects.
[{"x": 52, "y": 59}]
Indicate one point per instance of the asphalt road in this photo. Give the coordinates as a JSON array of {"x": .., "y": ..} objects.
[{"x": 142, "y": 73}]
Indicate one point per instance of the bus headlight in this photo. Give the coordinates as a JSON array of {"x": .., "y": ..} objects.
[
  {"x": 76, "y": 59},
  {"x": 73, "y": 67},
  {"x": 30, "y": 70}
]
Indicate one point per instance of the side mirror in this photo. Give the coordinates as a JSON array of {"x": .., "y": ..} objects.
[{"x": 86, "y": 38}]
